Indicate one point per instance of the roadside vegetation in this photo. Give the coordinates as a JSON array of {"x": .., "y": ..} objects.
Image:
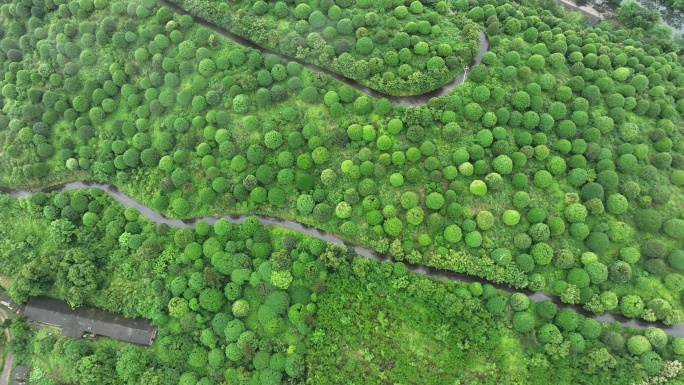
[
  {"x": 405, "y": 49},
  {"x": 635, "y": 16},
  {"x": 557, "y": 166},
  {"x": 3, "y": 349},
  {"x": 669, "y": 4},
  {"x": 274, "y": 306}
]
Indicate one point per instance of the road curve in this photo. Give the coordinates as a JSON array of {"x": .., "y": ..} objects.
[
  {"x": 127, "y": 201},
  {"x": 406, "y": 101}
]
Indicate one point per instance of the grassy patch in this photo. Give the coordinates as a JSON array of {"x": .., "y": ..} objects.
[
  {"x": 393, "y": 338},
  {"x": 5, "y": 281}
]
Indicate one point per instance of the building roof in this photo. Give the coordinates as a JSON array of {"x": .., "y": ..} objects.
[
  {"x": 6, "y": 301},
  {"x": 20, "y": 373},
  {"x": 76, "y": 322},
  {"x": 592, "y": 19}
]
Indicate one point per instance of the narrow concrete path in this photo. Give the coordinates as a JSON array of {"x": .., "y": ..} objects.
[
  {"x": 9, "y": 359},
  {"x": 127, "y": 201},
  {"x": 406, "y": 101},
  {"x": 6, "y": 370}
]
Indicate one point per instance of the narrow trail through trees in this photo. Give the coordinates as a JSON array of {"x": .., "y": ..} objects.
[
  {"x": 9, "y": 359},
  {"x": 406, "y": 101},
  {"x": 127, "y": 201}
]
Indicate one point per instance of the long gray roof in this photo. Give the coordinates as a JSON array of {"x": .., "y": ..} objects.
[
  {"x": 6, "y": 301},
  {"x": 592, "y": 19},
  {"x": 75, "y": 322},
  {"x": 20, "y": 374}
]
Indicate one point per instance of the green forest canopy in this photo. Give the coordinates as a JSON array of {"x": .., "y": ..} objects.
[
  {"x": 273, "y": 306},
  {"x": 557, "y": 166}
]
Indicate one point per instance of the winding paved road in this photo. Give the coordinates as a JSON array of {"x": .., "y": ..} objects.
[
  {"x": 127, "y": 201},
  {"x": 406, "y": 101}
]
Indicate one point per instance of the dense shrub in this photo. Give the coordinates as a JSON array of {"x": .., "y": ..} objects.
[
  {"x": 597, "y": 242},
  {"x": 434, "y": 201},
  {"x": 631, "y": 305},
  {"x": 567, "y": 320},
  {"x": 617, "y": 204},
  {"x": 485, "y": 220},
  {"x": 473, "y": 239},
  {"x": 542, "y": 253},
  {"x": 638, "y": 345},
  {"x": 452, "y": 234},
  {"x": 676, "y": 259},
  {"x": 546, "y": 310},
  {"x": 511, "y": 217},
  {"x": 519, "y": 302},
  {"x": 392, "y": 226},
  {"x": 578, "y": 277},
  {"x": 674, "y": 228},
  {"x": 478, "y": 187},
  {"x": 549, "y": 333},
  {"x": 597, "y": 271},
  {"x": 503, "y": 164},
  {"x": 523, "y": 322},
  {"x": 575, "y": 212},
  {"x": 592, "y": 190},
  {"x": 649, "y": 220},
  {"x": 590, "y": 328},
  {"x": 620, "y": 272}
]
